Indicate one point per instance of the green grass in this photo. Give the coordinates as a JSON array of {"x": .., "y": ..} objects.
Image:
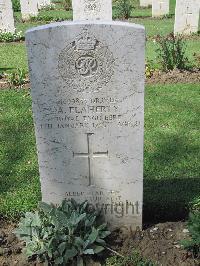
[
  {"x": 54, "y": 14},
  {"x": 155, "y": 26},
  {"x": 13, "y": 55},
  {"x": 171, "y": 166},
  {"x": 23, "y": 27},
  {"x": 172, "y": 153},
  {"x": 57, "y": 14},
  {"x": 19, "y": 178}
]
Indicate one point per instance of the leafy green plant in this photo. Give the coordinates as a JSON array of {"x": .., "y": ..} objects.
[
  {"x": 17, "y": 78},
  {"x": 172, "y": 52},
  {"x": 11, "y": 37},
  {"x": 134, "y": 260},
  {"x": 197, "y": 59},
  {"x": 59, "y": 235},
  {"x": 149, "y": 70},
  {"x": 46, "y": 18},
  {"x": 193, "y": 244},
  {"x": 16, "y": 5},
  {"x": 195, "y": 204},
  {"x": 123, "y": 8},
  {"x": 42, "y": 17}
]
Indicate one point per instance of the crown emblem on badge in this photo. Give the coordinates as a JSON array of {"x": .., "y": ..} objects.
[{"x": 86, "y": 42}]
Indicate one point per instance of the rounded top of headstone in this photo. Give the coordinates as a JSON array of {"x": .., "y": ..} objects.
[{"x": 80, "y": 23}]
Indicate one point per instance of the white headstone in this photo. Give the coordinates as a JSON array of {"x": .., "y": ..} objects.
[
  {"x": 92, "y": 9},
  {"x": 187, "y": 16},
  {"x": 145, "y": 3},
  {"x": 87, "y": 82},
  {"x": 160, "y": 8},
  {"x": 43, "y": 3},
  {"x": 88, "y": 101},
  {"x": 29, "y": 8},
  {"x": 6, "y": 16}
]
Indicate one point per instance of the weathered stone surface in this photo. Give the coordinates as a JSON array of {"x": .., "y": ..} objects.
[
  {"x": 160, "y": 8},
  {"x": 6, "y": 16},
  {"x": 87, "y": 84},
  {"x": 29, "y": 8},
  {"x": 145, "y": 3},
  {"x": 92, "y": 9},
  {"x": 187, "y": 16}
]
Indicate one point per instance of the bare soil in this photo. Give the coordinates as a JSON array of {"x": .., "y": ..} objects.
[
  {"x": 159, "y": 243},
  {"x": 5, "y": 85},
  {"x": 174, "y": 77}
]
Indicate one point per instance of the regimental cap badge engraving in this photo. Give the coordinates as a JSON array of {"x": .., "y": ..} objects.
[
  {"x": 86, "y": 42},
  {"x": 92, "y": 6},
  {"x": 86, "y": 64}
]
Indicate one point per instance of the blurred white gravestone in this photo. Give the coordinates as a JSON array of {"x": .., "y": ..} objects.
[
  {"x": 29, "y": 8},
  {"x": 145, "y": 3},
  {"x": 87, "y": 81},
  {"x": 92, "y": 9},
  {"x": 6, "y": 16},
  {"x": 160, "y": 8},
  {"x": 43, "y": 3},
  {"x": 187, "y": 16}
]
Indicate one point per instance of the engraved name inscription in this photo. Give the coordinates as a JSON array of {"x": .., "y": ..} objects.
[{"x": 88, "y": 113}]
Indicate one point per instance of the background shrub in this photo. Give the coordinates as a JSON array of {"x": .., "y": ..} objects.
[
  {"x": 193, "y": 244},
  {"x": 11, "y": 37},
  {"x": 123, "y": 8},
  {"x": 16, "y": 5},
  {"x": 67, "y": 4},
  {"x": 171, "y": 52}
]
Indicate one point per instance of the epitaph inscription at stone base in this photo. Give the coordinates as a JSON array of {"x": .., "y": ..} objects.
[
  {"x": 92, "y": 9},
  {"x": 88, "y": 101}
]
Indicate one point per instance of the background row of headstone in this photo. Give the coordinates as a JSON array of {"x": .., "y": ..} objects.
[
  {"x": 29, "y": 8},
  {"x": 186, "y": 15}
]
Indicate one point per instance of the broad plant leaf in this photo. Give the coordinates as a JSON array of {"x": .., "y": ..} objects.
[
  {"x": 57, "y": 235},
  {"x": 89, "y": 251}
]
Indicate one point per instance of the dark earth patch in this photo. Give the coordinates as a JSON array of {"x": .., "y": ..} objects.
[
  {"x": 159, "y": 243},
  {"x": 174, "y": 77}
]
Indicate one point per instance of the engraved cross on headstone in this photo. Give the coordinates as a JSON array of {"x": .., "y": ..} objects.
[
  {"x": 188, "y": 14},
  {"x": 161, "y": 4},
  {"x": 189, "y": 11},
  {"x": 90, "y": 155}
]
